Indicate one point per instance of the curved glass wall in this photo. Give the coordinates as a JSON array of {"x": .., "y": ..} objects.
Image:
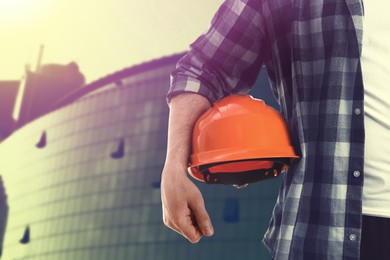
[{"x": 83, "y": 182}]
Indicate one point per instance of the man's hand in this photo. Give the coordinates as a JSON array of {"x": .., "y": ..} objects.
[
  {"x": 183, "y": 206},
  {"x": 182, "y": 203}
]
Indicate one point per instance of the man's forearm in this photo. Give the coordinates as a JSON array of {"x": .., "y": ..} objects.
[
  {"x": 185, "y": 109},
  {"x": 182, "y": 202}
]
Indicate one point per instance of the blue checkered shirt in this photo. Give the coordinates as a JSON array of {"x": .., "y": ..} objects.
[{"x": 311, "y": 49}]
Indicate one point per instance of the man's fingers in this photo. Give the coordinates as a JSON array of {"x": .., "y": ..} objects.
[
  {"x": 202, "y": 218},
  {"x": 189, "y": 229},
  {"x": 184, "y": 210},
  {"x": 184, "y": 225}
]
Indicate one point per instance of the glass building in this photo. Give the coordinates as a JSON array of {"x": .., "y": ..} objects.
[{"x": 83, "y": 181}]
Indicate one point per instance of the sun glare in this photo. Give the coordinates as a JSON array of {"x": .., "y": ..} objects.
[
  {"x": 16, "y": 10},
  {"x": 20, "y": 29}
]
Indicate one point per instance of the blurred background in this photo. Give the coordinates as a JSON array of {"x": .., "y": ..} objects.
[
  {"x": 100, "y": 36},
  {"x": 83, "y": 125}
]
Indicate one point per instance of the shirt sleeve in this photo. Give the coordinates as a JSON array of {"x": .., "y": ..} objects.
[{"x": 226, "y": 59}]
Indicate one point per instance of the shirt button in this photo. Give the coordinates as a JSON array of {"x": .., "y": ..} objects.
[
  {"x": 356, "y": 173},
  {"x": 357, "y": 111},
  {"x": 352, "y": 237}
]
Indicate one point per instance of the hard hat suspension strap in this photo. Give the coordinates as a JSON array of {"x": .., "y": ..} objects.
[{"x": 244, "y": 177}]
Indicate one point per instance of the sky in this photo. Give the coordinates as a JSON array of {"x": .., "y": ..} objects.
[{"x": 101, "y": 36}]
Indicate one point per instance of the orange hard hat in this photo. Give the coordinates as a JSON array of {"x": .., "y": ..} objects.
[{"x": 238, "y": 141}]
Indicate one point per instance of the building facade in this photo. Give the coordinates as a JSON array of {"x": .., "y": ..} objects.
[
  {"x": 83, "y": 182},
  {"x": 8, "y": 93}
]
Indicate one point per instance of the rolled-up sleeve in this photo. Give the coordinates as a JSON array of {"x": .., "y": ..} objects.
[{"x": 227, "y": 58}]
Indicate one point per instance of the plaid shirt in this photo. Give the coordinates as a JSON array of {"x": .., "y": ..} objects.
[{"x": 312, "y": 53}]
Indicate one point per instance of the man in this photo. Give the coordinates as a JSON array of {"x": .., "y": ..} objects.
[{"x": 318, "y": 61}]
